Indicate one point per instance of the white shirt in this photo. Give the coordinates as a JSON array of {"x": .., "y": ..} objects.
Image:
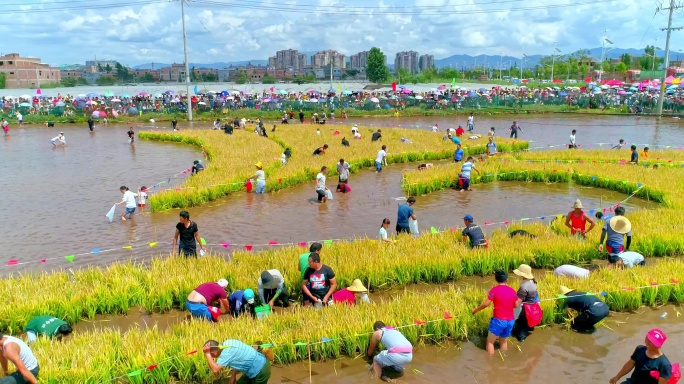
[
  {"x": 129, "y": 198},
  {"x": 470, "y": 119},
  {"x": 19, "y": 116},
  {"x": 630, "y": 259},
  {"x": 343, "y": 170},
  {"x": 357, "y": 135},
  {"x": 260, "y": 175},
  {"x": 354, "y": 129},
  {"x": 381, "y": 156},
  {"x": 383, "y": 233},
  {"x": 320, "y": 179},
  {"x": 142, "y": 197},
  {"x": 571, "y": 271},
  {"x": 572, "y": 139},
  {"x": 25, "y": 354},
  {"x": 435, "y": 128}
]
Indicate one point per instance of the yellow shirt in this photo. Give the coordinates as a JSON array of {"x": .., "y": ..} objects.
[{"x": 643, "y": 155}]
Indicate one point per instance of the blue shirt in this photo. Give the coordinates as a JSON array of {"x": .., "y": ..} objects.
[
  {"x": 237, "y": 300},
  {"x": 466, "y": 168},
  {"x": 455, "y": 140},
  {"x": 241, "y": 357},
  {"x": 613, "y": 238},
  {"x": 492, "y": 148},
  {"x": 404, "y": 212},
  {"x": 458, "y": 156}
]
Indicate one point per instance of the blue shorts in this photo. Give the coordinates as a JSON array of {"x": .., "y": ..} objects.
[
  {"x": 130, "y": 210},
  {"x": 501, "y": 328},
  {"x": 378, "y": 166},
  {"x": 199, "y": 310}
]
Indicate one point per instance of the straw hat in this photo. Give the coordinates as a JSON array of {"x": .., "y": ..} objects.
[
  {"x": 565, "y": 290},
  {"x": 620, "y": 224},
  {"x": 259, "y": 165},
  {"x": 357, "y": 286},
  {"x": 578, "y": 204},
  {"x": 525, "y": 271}
]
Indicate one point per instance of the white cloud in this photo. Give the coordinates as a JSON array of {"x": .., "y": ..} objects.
[{"x": 215, "y": 33}]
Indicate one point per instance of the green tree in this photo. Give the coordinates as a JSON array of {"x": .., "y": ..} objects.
[
  {"x": 268, "y": 79},
  {"x": 106, "y": 80},
  {"x": 193, "y": 75},
  {"x": 376, "y": 67},
  {"x": 627, "y": 59},
  {"x": 209, "y": 77},
  {"x": 147, "y": 78},
  {"x": 351, "y": 72},
  {"x": 108, "y": 68},
  {"x": 3, "y": 80},
  {"x": 242, "y": 78},
  {"x": 621, "y": 68},
  {"x": 650, "y": 62}
]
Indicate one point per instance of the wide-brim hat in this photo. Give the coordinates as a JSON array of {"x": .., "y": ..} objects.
[
  {"x": 565, "y": 290},
  {"x": 620, "y": 224},
  {"x": 577, "y": 204},
  {"x": 525, "y": 271},
  {"x": 357, "y": 286},
  {"x": 258, "y": 164}
]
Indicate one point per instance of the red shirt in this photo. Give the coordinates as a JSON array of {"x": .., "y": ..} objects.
[
  {"x": 212, "y": 292},
  {"x": 504, "y": 299},
  {"x": 343, "y": 296},
  {"x": 459, "y": 131}
]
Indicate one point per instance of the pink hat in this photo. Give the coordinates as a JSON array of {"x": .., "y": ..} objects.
[{"x": 657, "y": 337}]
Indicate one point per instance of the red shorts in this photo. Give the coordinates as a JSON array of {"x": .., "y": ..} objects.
[{"x": 141, "y": 205}]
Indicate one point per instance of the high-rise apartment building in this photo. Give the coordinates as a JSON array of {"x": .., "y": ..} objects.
[
  {"x": 407, "y": 60},
  {"x": 426, "y": 62},
  {"x": 359, "y": 60},
  {"x": 323, "y": 58}
]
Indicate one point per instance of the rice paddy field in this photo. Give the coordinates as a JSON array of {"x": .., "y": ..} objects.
[
  {"x": 232, "y": 157},
  {"x": 163, "y": 284}
]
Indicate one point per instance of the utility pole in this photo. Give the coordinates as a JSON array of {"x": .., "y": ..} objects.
[
  {"x": 553, "y": 58},
  {"x": 604, "y": 40},
  {"x": 500, "y": 66},
  {"x": 669, "y": 29},
  {"x": 187, "y": 69}
]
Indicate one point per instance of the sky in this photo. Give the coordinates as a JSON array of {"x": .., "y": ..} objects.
[{"x": 142, "y": 31}]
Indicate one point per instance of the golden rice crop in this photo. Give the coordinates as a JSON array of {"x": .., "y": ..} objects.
[
  {"x": 656, "y": 156},
  {"x": 103, "y": 355},
  {"x": 232, "y": 157},
  {"x": 231, "y": 161}
]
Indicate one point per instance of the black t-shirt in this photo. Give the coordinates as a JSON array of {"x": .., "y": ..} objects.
[
  {"x": 317, "y": 151},
  {"x": 301, "y": 115},
  {"x": 186, "y": 238},
  {"x": 376, "y": 136},
  {"x": 635, "y": 157},
  {"x": 90, "y": 122},
  {"x": 475, "y": 235},
  {"x": 131, "y": 134},
  {"x": 319, "y": 281},
  {"x": 345, "y": 142},
  {"x": 287, "y": 153},
  {"x": 236, "y": 123},
  {"x": 174, "y": 123},
  {"x": 228, "y": 128},
  {"x": 644, "y": 365},
  {"x": 580, "y": 301}
]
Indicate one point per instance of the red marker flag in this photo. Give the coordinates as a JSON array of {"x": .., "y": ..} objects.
[
  {"x": 394, "y": 86},
  {"x": 419, "y": 322}
]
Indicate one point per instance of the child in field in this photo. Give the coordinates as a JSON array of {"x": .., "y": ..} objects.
[
  {"x": 505, "y": 301},
  {"x": 142, "y": 198}
]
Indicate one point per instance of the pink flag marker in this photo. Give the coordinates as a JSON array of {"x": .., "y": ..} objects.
[
  {"x": 43, "y": 261},
  {"x": 13, "y": 262},
  {"x": 272, "y": 242},
  {"x": 248, "y": 247},
  {"x": 488, "y": 223},
  {"x": 302, "y": 244},
  {"x": 225, "y": 244}
]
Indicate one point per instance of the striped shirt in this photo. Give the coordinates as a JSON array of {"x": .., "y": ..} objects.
[{"x": 466, "y": 168}]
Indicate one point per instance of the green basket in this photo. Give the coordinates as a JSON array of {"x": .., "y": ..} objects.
[{"x": 262, "y": 311}]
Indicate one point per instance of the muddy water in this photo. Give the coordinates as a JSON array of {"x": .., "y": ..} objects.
[
  {"x": 550, "y": 354},
  {"x": 58, "y": 197}
]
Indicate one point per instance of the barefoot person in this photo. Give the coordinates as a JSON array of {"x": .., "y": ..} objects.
[
  {"x": 16, "y": 351},
  {"x": 188, "y": 234},
  {"x": 577, "y": 220},
  {"x": 58, "y": 140},
  {"x": 505, "y": 302},
  {"x": 321, "y": 189},
  {"x": 648, "y": 361},
  {"x": 239, "y": 357},
  {"x": 129, "y": 200},
  {"x": 399, "y": 350},
  {"x": 201, "y": 300}
]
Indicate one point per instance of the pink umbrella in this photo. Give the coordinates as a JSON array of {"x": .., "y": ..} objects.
[
  {"x": 266, "y": 100},
  {"x": 668, "y": 80},
  {"x": 614, "y": 83},
  {"x": 143, "y": 93},
  {"x": 622, "y": 92},
  {"x": 441, "y": 87}
]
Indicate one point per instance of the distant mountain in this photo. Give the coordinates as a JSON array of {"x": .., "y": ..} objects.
[
  {"x": 455, "y": 61},
  {"x": 493, "y": 61}
]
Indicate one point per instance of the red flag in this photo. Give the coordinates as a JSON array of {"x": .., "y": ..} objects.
[
  {"x": 419, "y": 322},
  {"x": 394, "y": 86},
  {"x": 248, "y": 247},
  {"x": 191, "y": 352},
  {"x": 447, "y": 316},
  {"x": 151, "y": 367}
]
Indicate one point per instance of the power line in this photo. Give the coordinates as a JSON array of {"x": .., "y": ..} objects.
[
  {"x": 83, "y": 7},
  {"x": 293, "y": 8}
]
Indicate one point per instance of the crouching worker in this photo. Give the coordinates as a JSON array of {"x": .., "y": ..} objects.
[
  {"x": 47, "y": 326},
  {"x": 201, "y": 299},
  {"x": 238, "y": 356},
  {"x": 242, "y": 302},
  {"x": 399, "y": 351},
  {"x": 271, "y": 286},
  {"x": 590, "y": 308},
  {"x": 349, "y": 295}
]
